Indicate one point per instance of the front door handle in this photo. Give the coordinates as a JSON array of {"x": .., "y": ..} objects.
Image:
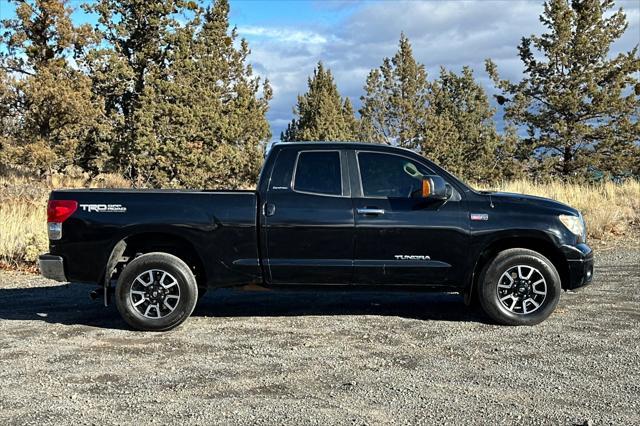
[{"x": 368, "y": 210}]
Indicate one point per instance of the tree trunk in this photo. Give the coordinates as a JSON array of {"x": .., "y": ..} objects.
[{"x": 566, "y": 161}]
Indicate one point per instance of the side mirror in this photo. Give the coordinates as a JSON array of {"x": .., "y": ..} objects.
[{"x": 436, "y": 188}]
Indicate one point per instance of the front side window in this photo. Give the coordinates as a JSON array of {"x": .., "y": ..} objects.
[
  {"x": 391, "y": 176},
  {"x": 319, "y": 172}
]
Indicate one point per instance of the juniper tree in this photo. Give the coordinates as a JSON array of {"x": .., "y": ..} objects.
[
  {"x": 137, "y": 36},
  {"x": 50, "y": 111},
  {"x": 578, "y": 103},
  {"x": 202, "y": 118},
  {"x": 351, "y": 122},
  {"x": 460, "y": 132},
  {"x": 395, "y": 101},
  {"x": 321, "y": 113}
]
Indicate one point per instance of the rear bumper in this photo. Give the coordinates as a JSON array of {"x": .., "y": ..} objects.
[
  {"x": 580, "y": 261},
  {"x": 52, "y": 267}
]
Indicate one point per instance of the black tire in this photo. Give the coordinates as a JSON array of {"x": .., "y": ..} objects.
[
  {"x": 516, "y": 292},
  {"x": 156, "y": 264}
]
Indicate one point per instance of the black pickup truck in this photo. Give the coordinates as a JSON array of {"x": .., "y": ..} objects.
[{"x": 325, "y": 216}]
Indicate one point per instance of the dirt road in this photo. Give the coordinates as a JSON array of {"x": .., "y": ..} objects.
[{"x": 310, "y": 358}]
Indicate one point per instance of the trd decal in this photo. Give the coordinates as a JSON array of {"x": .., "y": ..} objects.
[
  {"x": 479, "y": 216},
  {"x": 411, "y": 257},
  {"x": 104, "y": 208}
]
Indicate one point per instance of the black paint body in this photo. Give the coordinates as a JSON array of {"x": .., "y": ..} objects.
[{"x": 280, "y": 236}]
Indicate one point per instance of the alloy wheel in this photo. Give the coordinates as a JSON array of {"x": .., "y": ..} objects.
[
  {"x": 155, "y": 293},
  {"x": 522, "y": 289}
]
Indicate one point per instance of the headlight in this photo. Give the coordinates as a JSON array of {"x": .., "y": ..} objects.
[{"x": 575, "y": 224}]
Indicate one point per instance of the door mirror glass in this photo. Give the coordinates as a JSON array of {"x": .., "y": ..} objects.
[{"x": 436, "y": 188}]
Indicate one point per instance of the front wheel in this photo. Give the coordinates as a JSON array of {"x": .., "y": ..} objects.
[
  {"x": 519, "y": 287},
  {"x": 156, "y": 292}
]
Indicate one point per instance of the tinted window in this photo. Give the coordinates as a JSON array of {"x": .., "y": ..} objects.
[
  {"x": 386, "y": 175},
  {"x": 283, "y": 170},
  {"x": 319, "y": 172}
]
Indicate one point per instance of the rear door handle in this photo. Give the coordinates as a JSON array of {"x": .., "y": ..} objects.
[
  {"x": 269, "y": 209},
  {"x": 367, "y": 210}
]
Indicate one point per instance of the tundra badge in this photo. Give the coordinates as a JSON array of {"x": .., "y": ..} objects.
[{"x": 411, "y": 257}]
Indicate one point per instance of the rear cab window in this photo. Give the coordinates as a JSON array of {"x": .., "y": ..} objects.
[{"x": 318, "y": 172}]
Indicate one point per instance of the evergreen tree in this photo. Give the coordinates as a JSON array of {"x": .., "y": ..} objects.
[
  {"x": 395, "y": 102},
  {"x": 321, "y": 113},
  {"x": 137, "y": 36},
  {"x": 289, "y": 134},
  {"x": 460, "y": 132},
  {"x": 201, "y": 120},
  {"x": 7, "y": 119},
  {"x": 50, "y": 110},
  {"x": 578, "y": 105},
  {"x": 352, "y": 124}
]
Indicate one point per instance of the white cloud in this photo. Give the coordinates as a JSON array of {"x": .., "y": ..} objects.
[{"x": 283, "y": 35}]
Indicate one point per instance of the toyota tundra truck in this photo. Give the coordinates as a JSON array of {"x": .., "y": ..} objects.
[{"x": 326, "y": 216}]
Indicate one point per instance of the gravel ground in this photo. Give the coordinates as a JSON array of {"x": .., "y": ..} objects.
[{"x": 310, "y": 358}]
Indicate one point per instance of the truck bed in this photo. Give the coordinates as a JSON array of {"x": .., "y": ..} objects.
[{"x": 219, "y": 225}]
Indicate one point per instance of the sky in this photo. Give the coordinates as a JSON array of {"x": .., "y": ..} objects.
[{"x": 288, "y": 38}]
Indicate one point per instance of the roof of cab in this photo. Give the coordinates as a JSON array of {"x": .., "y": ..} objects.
[{"x": 341, "y": 145}]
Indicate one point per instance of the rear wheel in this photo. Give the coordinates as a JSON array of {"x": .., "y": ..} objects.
[
  {"x": 156, "y": 292},
  {"x": 519, "y": 287}
]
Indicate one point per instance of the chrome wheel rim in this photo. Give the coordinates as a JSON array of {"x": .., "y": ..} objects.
[
  {"x": 155, "y": 293},
  {"x": 522, "y": 289}
]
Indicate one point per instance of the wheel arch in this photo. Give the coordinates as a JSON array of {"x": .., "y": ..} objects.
[
  {"x": 538, "y": 243},
  {"x": 135, "y": 244}
]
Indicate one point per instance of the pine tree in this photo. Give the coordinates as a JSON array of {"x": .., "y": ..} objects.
[
  {"x": 322, "y": 115},
  {"x": 51, "y": 110},
  {"x": 578, "y": 105},
  {"x": 395, "y": 101},
  {"x": 8, "y": 123},
  {"x": 460, "y": 131},
  {"x": 352, "y": 124},
  {"x": 137, "y": 38},
  {"x": 202, "y": 118},
  {"x": 374, "y": 122}
]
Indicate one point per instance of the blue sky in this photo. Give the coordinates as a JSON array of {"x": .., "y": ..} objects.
[{"x": 288, "y": 38}]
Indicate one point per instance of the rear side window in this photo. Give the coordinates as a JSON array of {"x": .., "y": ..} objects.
[
  {"x": 283, "y": 170},
  {"x": 319, "y": 172}
]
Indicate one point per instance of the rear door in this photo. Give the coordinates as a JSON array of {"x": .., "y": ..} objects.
[
  {"x": 401, "y": 238},
  {"x": 308, "y": 215}
]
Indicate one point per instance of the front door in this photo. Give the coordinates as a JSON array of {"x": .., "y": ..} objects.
[
  {"x": 309, "y": 222},
  {"x": 402, "y": 238}
]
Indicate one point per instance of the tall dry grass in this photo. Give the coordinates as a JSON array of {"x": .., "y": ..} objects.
[
  {"x": 23, "y": 213},
  {"x": 612, "y": 211}
]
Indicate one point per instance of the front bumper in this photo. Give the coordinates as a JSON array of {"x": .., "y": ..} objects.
[
  {"x": 580, "y": 261},
  {"x": 52, "y": 267}
]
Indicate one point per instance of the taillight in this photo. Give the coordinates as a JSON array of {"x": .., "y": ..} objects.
[{"x": 57, "y": 212}]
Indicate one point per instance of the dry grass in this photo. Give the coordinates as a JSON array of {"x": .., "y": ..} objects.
[
  {"x": 612, "y": 212},
  {"x": 23, "y": 213}
]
